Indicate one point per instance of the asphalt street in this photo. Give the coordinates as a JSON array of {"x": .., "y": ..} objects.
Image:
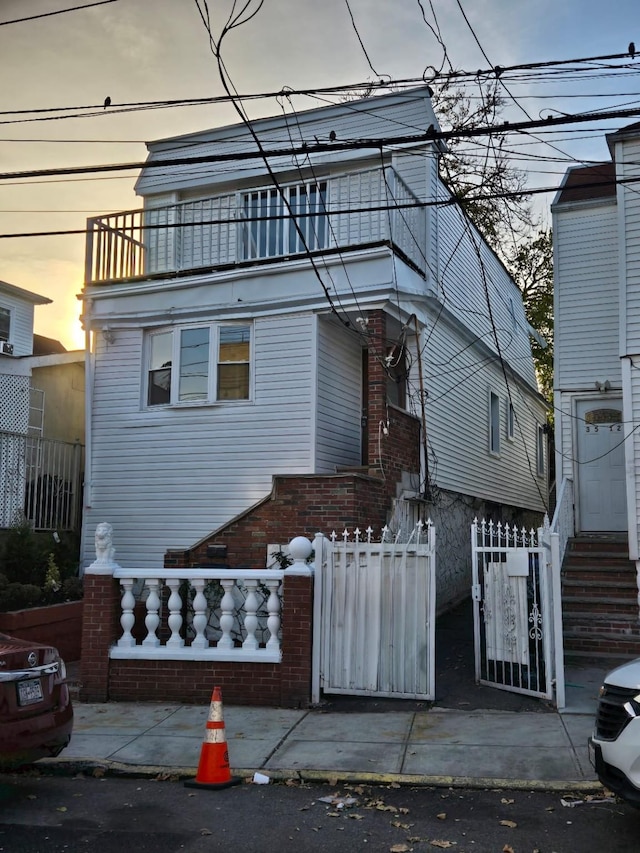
[{"x": 48, "y": 814}]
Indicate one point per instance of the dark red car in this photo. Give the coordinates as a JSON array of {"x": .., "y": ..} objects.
[{"x": 36, "y": 715}]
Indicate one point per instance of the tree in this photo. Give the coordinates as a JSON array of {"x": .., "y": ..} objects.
[
  {"x": 531, "y": 266},
  {"x": 473, "y": 167},
  {"x": 503, "y": 212}
]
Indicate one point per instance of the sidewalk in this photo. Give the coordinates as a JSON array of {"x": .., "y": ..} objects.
[{"x": 437, "y": 746}]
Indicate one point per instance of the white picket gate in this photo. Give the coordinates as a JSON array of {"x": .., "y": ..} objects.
[
  {"x": 377, "y": 614},
  {"x": 514, "y": 592}
]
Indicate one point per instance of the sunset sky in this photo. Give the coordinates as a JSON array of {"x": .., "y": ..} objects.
[{"x": 156, "y": 50}]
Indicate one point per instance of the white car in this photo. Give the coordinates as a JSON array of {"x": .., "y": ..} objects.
[{"x": 614, "y": 748}]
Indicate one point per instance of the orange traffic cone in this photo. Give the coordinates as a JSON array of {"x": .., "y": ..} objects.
[{"x": 213, "y": 769}]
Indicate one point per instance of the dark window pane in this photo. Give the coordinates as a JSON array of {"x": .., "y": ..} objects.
[
  {"x": 233, "y": 382},
  {"x": 159, "y": 387}
]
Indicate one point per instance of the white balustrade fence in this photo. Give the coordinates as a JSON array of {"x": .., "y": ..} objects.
[{"x": 205, "y": 614}]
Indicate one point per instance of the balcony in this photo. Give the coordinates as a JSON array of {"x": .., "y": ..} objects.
[{"x": 352, "y": 210}]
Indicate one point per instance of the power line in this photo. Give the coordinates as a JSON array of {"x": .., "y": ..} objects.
[
  {"x": 59, "y": 12},
  {"x": 430, "y": 135}
]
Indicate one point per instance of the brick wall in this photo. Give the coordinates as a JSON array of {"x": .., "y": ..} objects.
[{"x": 287, "y": 684}]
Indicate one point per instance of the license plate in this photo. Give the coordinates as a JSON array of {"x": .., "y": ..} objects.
[{"x": 29, "y": 691}]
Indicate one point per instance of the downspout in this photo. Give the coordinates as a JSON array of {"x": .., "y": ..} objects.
[{"x": 88, "y": 452}]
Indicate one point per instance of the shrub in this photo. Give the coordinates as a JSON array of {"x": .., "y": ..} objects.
[{"x": 38, "y": 568}]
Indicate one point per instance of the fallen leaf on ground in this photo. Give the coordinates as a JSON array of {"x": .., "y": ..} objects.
[
  {"x": 400, "y": 848},
  {"x": 510, "y": 823},
  {"x": 61, "y": 809},
  {"x": 506, "y": 802},
  {"x": 443, "y": 844},
  {"x": 442, "y": 816},
  {"x": 401, "y": 825},
  {"x": 508, "y": 849},
  {"x": 205, "y": 832}
]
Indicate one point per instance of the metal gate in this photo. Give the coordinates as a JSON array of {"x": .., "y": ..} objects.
[
  {"x": 512, "y": 609},
  {"x": 378, "y": 615}
]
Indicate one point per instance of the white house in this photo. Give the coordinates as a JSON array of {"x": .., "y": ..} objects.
[
  {"x": 16, "y": 340},
  {"x": 596, "y": 385},
  {"x": 322, "y": 309}
]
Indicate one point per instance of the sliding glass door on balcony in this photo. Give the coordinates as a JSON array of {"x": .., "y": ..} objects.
[{"x": 283, "y": 222}]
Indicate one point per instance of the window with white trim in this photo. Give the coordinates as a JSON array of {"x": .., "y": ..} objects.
[
  {"x": 494, "y": 423},
  {"x": 270, "y": 227},
  {"x": 511, "y": 421},
  {"x": 199, "y": 364},
  {"x": 540, "y": 448},
  {"x": 5, "y": 323}
]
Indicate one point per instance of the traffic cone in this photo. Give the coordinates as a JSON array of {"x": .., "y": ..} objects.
[{"x": 213, "y": 769}]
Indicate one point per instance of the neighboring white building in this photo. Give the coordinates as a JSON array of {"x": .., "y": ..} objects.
[
  {"x": 597, "y": 338},
  {"x": 233, "y": 335},
  {"x": 16, "y": 340},
  {"x": 596, "y": 235}
]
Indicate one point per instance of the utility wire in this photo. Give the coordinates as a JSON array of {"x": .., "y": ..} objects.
[
  {"x": 58, "y": 12},
  {"x": 430, "y": 135}
]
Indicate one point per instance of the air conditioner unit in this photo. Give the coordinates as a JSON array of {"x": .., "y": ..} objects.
[{"x": 6, "y": 348}]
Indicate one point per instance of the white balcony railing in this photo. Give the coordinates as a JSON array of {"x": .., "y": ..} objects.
[
  {"x": 354, "y": 209},
  {"x": 200, "y": 614}
]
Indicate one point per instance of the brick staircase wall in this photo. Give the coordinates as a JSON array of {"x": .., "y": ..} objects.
[{"x": 600, "y": 601}]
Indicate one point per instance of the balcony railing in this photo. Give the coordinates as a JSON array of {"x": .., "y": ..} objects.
[{"x": 350, "y": 210}]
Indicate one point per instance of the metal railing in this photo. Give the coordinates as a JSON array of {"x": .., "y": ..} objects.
[
  {"x": 359, "y": 208},
  {"x": 40, "y": 482}
]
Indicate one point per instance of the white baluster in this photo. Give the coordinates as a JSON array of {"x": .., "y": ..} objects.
[
  {"x": 273, "y": 608},
  {"x": 152, "y": 619},
  {"x": 199, "y": 615},
  {"x": 227, "y": 606},
  {"x": 127, "y": 620},
  {"x": 175, "y": 614},
  {"x": 251, "y": 618}
]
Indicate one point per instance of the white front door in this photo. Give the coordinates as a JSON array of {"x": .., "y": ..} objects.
[{"x": 601, "y": 478}]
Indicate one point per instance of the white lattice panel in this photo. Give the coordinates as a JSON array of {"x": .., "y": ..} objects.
[{"x": 14, "y": 403}]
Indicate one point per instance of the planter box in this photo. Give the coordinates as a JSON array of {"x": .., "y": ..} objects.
[{"x": 59, "y": 625}]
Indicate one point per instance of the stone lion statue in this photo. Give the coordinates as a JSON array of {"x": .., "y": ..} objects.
[{"x": 105, "y": 551}]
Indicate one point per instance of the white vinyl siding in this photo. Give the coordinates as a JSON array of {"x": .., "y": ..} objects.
[
  {"x": 628, "y": 158},
  {"x": 458, "y": 377},
  {"x": 586, "y": 336},
  {"x": 166, "y": 477},
  {"x": 403, "y": 114},
  {"x": 463, "y": 273},
  {"x": 338, "y": 429}
]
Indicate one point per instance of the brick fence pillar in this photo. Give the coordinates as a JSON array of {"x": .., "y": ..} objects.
[
  {"x": 100, "y": 627},
  {"x": 297, "y": 628}
]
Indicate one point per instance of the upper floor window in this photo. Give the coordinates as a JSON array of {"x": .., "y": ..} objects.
[
  {"x": 199, "y": 364},
  {"x": 511, "y": 421},
  {"x": 540, "y": 446},
  {"x": 5, "y": 324},
  {"x": 494, "y": 422},
  {"x": 270, "y": 230}
]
